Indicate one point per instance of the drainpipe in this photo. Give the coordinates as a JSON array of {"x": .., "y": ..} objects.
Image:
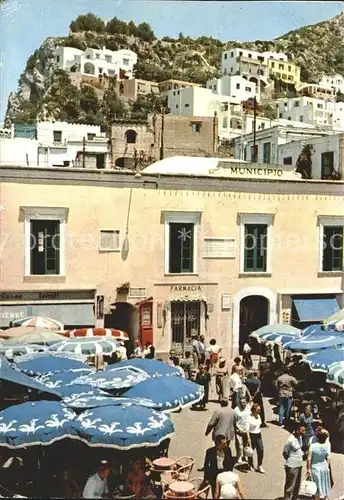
[
  {"x": 162, "y": 133},
  {"x": 215, "y": 131}
]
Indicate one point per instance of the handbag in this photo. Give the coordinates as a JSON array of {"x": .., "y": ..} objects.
[{"x": 308, "y": 488}]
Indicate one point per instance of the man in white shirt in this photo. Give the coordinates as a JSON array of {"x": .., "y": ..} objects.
[
  {"x": 242, "y": 411},
  {"x": 97, "y": 486},
  {"x": 237, "y": 386},
  {"x": 293, "y": 455},
  {"x": 121, "y": 351}
]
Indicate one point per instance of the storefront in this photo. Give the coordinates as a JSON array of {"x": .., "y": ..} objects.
[
  {"x": 72, "y": 308},
  {"x": 183, "y": 310},
  {"x": 303, "y": 309}
]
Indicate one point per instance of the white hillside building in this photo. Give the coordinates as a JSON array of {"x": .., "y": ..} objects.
[
  {"x": 304, "y": 109},
  {"x": 56, "y": 144},
  {"x": 336, "y": 82},
  {"x": 234, "y": 86},
  {"x": 232, "y": 121},
  {"x": 96, "y": 62}
]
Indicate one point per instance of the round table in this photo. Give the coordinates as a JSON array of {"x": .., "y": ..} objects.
[
  {"x": 182, "y": 488},
  {"x": 163, "y": 463}
]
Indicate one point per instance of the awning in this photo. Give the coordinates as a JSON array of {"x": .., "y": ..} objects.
[
  {"x": 315, "y": 309},
  {"x": 68, "y": 314},
  {"x": 186, "y": 298}
]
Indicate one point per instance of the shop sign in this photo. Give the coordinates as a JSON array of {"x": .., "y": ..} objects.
[
  {"x": 186, "y": 288},
  {"x": 11, "y": 316},
  {"x": 46, "y": 295}
]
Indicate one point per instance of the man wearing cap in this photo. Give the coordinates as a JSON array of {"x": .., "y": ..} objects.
[{"x": 97, "y": 485}]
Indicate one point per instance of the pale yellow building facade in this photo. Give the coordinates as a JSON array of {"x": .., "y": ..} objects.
[
  {"x": 163, "y": 255},
  {"x": 286, "y": 71}
]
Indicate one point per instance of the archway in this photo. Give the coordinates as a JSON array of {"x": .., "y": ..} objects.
[
  {"x": 89, "y": 68},
  {"x": 248, "y": 292},
  {"x": 124, "y": 316},
  {"x": 254, "y": 313}
]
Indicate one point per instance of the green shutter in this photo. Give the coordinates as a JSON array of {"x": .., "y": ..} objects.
[
  {"x": 255, "y": 250},
  {"x": 333, "y": 249},
  {"x": 181, "y": 248}
]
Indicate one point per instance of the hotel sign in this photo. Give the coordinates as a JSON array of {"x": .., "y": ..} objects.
[{"x": 186, "y": 288}]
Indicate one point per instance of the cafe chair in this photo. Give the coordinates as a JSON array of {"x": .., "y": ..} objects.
[
  {"x": 168, "y": 477},
  {"x": 184, "y": 467},
  {"x": 202, "y": 489},
  {"x": 204, "y": 492}
]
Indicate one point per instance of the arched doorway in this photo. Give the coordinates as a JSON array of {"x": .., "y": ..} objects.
[
  {"x": 89, "y": 68},
  {"x": 124, "y": 316},
  {"x": 254, "y": 313}
]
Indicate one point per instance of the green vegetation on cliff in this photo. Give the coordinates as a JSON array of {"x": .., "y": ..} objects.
[{"x": 46, "y": 92}]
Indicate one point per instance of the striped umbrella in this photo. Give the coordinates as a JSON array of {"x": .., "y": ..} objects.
[
  {"x": 336, "y": 374},
  {"x": 97, "y": 332},
  {"x": 278, "y": 338},
  {"x": 279, "y": 329},
  {"x": 321, "y": 361},
  {"x": 88, "y": 346},
  {"x": 36, "y": 336},
  {"x": 39, "y": 321},
  {"x": 17, "y": 331}
]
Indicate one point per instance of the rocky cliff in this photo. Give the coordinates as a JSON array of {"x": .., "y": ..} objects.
[{"x": 44, "y": 92}]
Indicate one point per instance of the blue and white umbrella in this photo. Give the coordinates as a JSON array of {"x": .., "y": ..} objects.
[
  {"x": 278, "y": 328},
  {"x": 49, "y": 363},
  {"x": 13, "y": 376},
  {"x": 21, "y": 350},
  {"x": 88, "y": 401},
  {"x": 35, "y": 424},
  {"x": 277, "y": 338},
  {"x": 321, "y": 361},
  {"x": 88, "y": 346},
  {"x": 169, "y": 393},
  {"x": 70, "y": 392},
  {"x": 152, "y": 367},
  {"x": 315, "y": 342},
  {"x": 336, "y": 375},
  {"x": 62, "y": 379},
  {"x": 120, "y": 378},
  {"x": 123, "y": 427}
]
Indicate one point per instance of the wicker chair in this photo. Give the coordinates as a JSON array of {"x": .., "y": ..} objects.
[
  {"x": 202, "y": 491},
  {"x": 168, "y": 477},
  {"x": 184, "y": 467}
]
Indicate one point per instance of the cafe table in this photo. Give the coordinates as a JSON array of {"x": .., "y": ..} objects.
[
  {"x": 163, "y": 464},
  {"x": 182, "y": 488}
]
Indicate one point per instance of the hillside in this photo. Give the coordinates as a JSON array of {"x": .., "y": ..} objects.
[{"x": 47, "y": 93}]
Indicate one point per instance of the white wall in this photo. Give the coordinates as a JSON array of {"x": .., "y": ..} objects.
[
  {"x": 227, "y": 85},
  {"x": 276, "y": 136},
  {"x": 70, "y": 131},
  {"x": 124, "y": 59},
  {"x": 320, "y": 144},
  {"x": 311, "y": 110},
  {"x": 334, "y": 81},
  {"x": 14, "y": 151}
]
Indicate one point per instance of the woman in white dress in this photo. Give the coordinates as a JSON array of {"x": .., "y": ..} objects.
[{"x": 228, "y": 486}]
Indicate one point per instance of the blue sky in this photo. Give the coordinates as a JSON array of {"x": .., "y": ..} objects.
[{"x": 26, "y": 23}]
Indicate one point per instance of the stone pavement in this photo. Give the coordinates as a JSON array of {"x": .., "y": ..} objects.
[{"x": 190, "y": 441}]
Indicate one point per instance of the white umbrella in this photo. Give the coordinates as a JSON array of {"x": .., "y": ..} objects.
[
  {"x": 39, "y": 321},
  {"x": 88, "y": 346}
]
